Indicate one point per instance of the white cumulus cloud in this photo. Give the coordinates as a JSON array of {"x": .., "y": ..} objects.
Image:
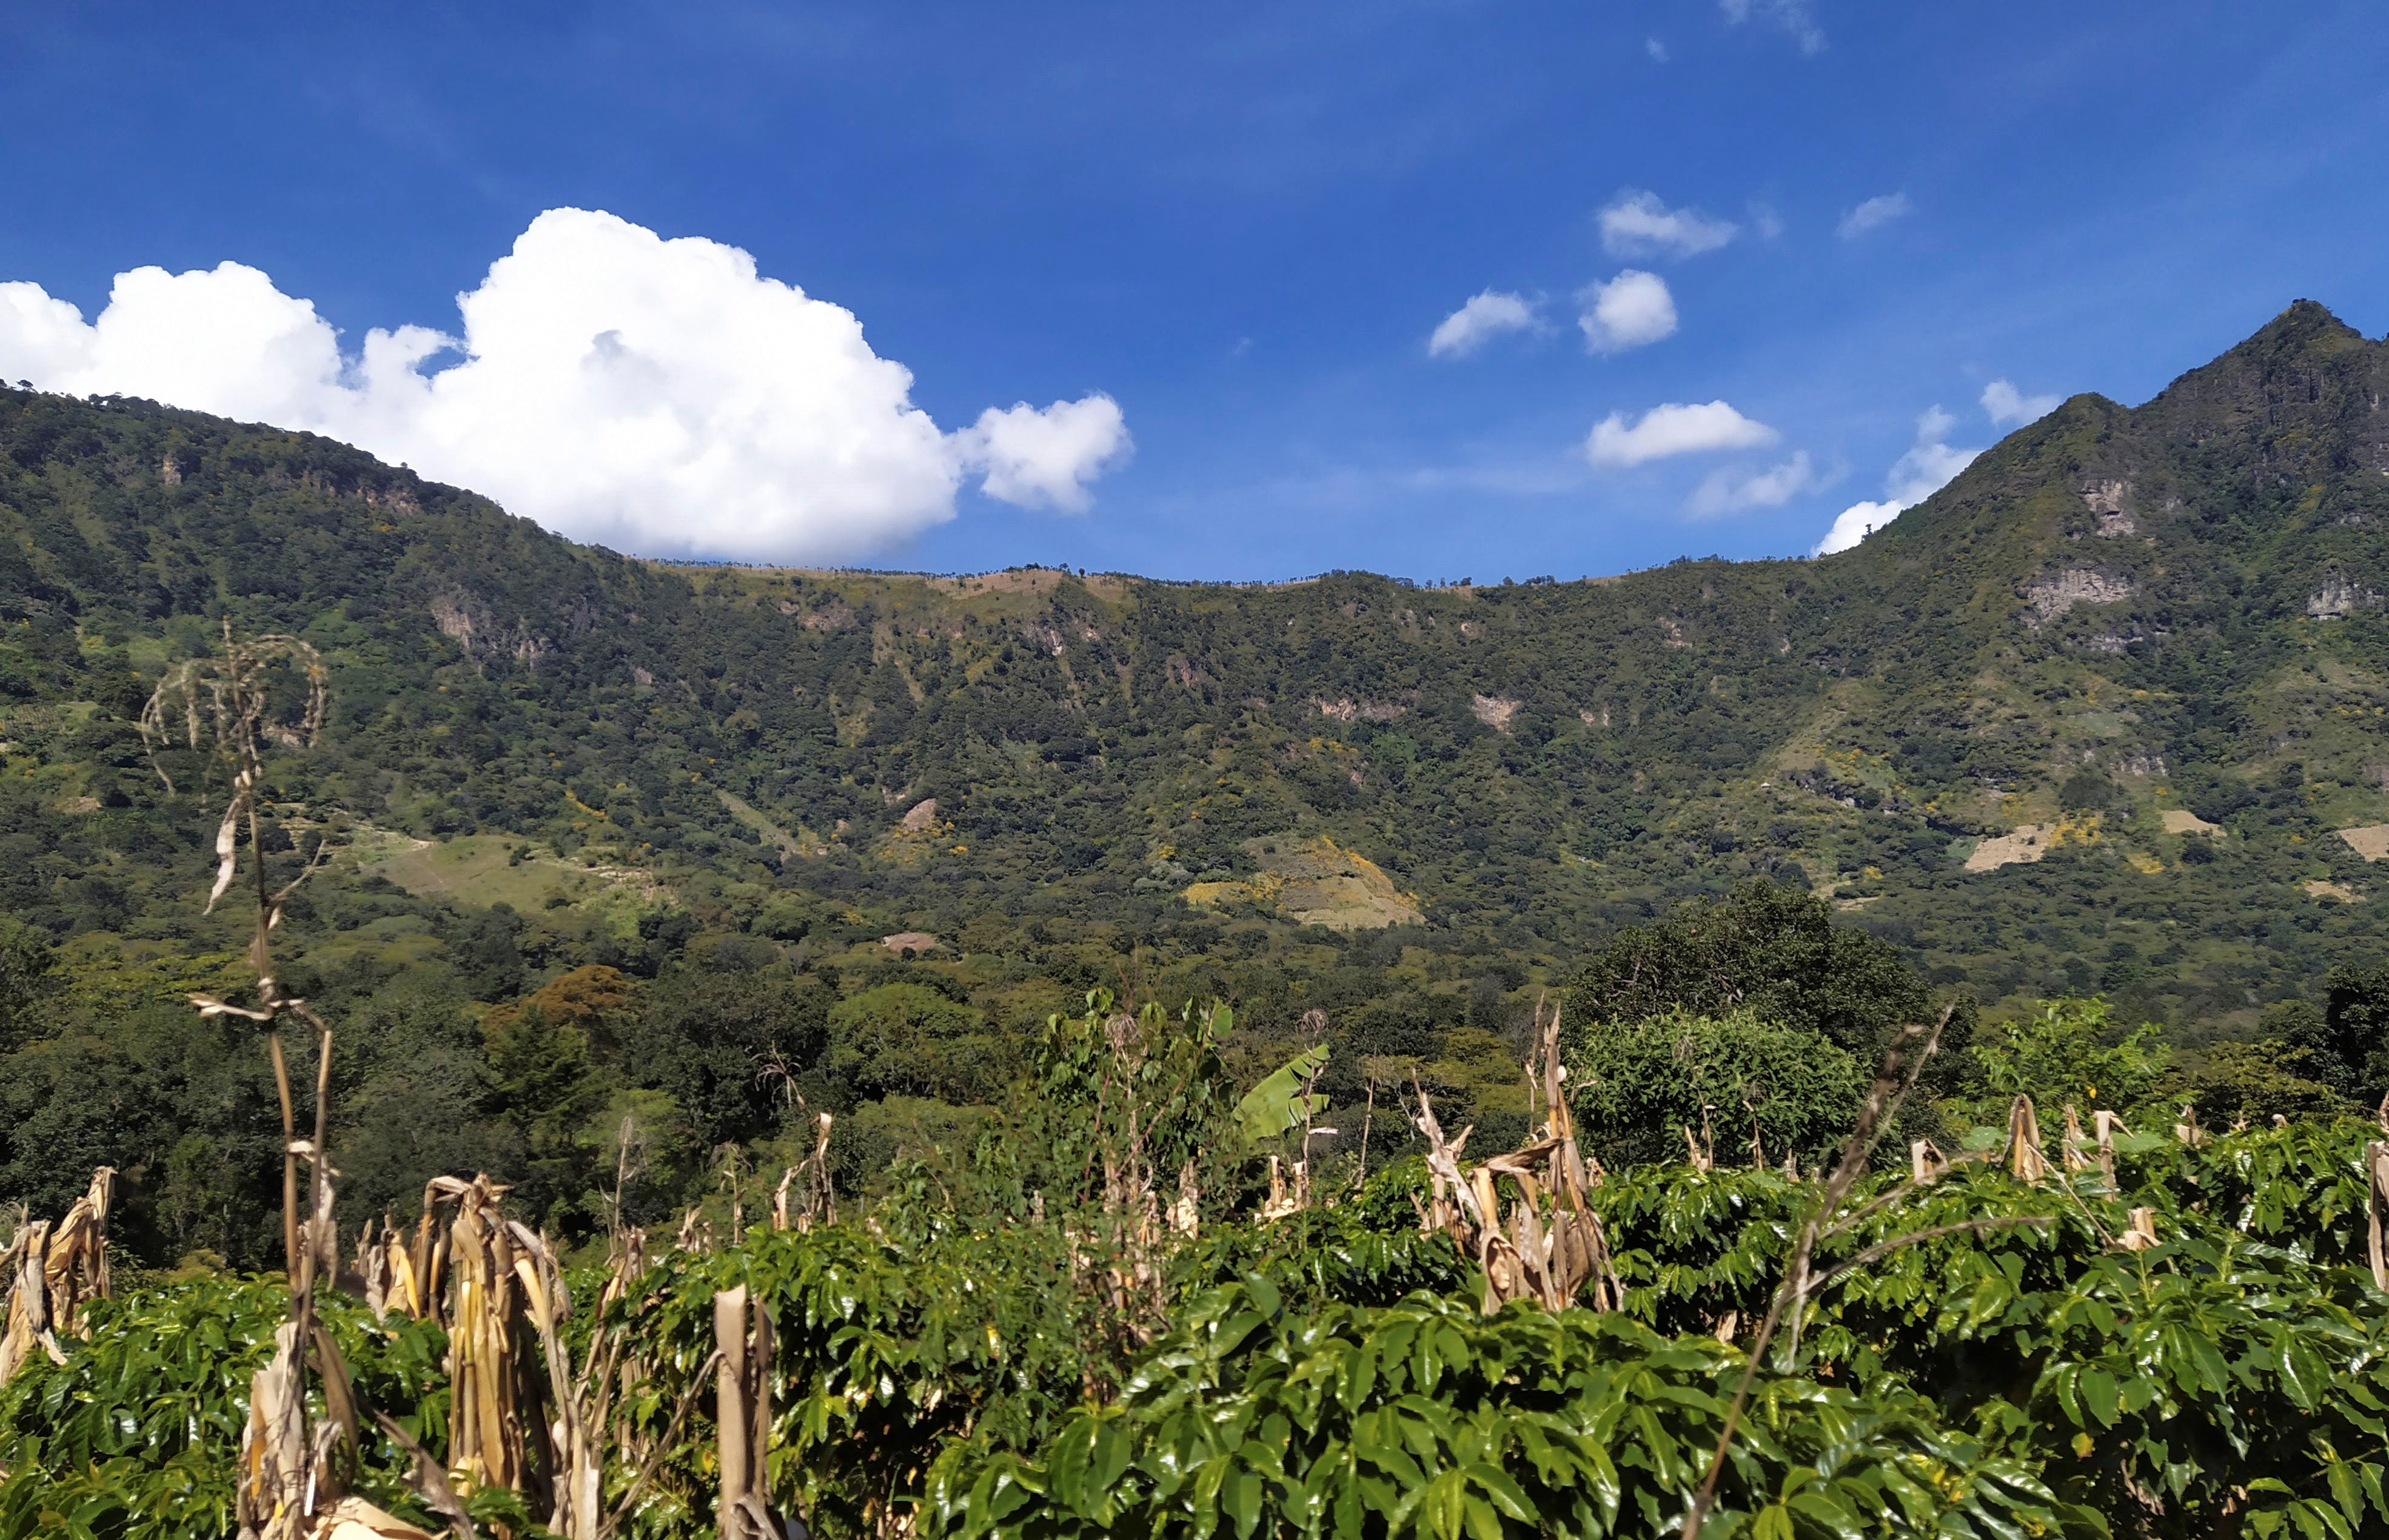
[
  {"x": 2007, "y": 407},
  {"x": 1485, "y": 317},
  {"x": 1732, "y": 490},
  {"x": 1673, "y": 429},
  {"x": 1855, "y": 523},
  {"x": 1044, "y": 457},
  {"x": 1873, "y": 214},
  {"x": 1630, "y": 311},
  {"x": 1929, "y": 464},
  {"x": 1636, "y": 223},
  {"x": 660, "y": 396},
  {"x": 1792, "y": 18}
]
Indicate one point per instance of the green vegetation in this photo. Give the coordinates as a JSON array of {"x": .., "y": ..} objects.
[
  {"x": 981, "y": 1366},
  {"x": 1071, "y": 901}
]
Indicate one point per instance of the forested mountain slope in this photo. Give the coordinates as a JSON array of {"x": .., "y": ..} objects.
[{"x": 2118, "y": 626}]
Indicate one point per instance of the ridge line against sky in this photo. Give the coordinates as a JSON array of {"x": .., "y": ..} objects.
[{"x": 1436, "y": 288}]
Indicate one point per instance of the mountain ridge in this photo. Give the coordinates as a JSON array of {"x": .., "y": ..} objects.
[{"x": 2161, "y": 606}]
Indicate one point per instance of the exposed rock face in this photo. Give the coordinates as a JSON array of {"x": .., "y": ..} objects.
[
  {"x": 465, "y": 620},
  {"x": 2051, "y": 597},
  {"x": 2338, "y": 598},
  {"x": 455, "y": 622},
  {"x": 1494, "y": 711},
  {"x": 2106, "y": 498},
  {"x": 922, "y": 814}
]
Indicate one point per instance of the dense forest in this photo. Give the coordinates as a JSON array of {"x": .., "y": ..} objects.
[{"x": 1089, "y": 1015}]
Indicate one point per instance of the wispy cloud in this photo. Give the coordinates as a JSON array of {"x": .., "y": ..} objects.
[
  {"x": 1632, "y": 310},
  {"x": 1873, "y": 214},
  {"x": 1672, "y": 429},
  {"x": 2007, "y": 407},
  {"x": 1733, "y": 491},
  {"x": 1639, "y": 224},
  {"x": 1483, "y": 318},
  {"x": 1930, "y": 465},
  {"x": 1792, "y": 18}
]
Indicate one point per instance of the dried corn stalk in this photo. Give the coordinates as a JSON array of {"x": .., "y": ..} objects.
[
  {"x": 2376, "y": 1175},
  {"x": 1285, "y": 1198},
  {"x": 2142, "y": 1233},
  {"x": 581, "y": 1401},
  {"x": 228, "y": 701},
  {"x": 76, "y": 1269},
  {"x": 29, "y": 1302},
  {"x": 2106, "y": 1123},
  {"x": 742, "y": 1334},
  {"x": 287, "y": 1474},
  {"x": 626, "y": 1258},
  {"x": 488, "y": 1342},
  {"x": 272, "y": 1491},
  {"x": 2023, "y": 1157},
  {"x": 1552, "y": 1244},
  {"x": 57, "y": 1268},
  {"x": 522, "y": 1414},
  {"x": 2070, "y": 1144},
  {"x": 819, "y": 1198}
]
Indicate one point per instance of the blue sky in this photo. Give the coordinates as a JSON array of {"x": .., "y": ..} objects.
[{"x": 1239, "y": 225}]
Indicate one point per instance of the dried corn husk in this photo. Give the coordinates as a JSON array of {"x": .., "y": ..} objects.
[
  {"x": 272, "y": 1489},
  {"x": 2106, "y": 1123},
  {"x": 29, "y": 1302},
  {"x": 76, "y": 1269},
  {"x": 2143, "y": 1232},
  {"x": 355, "y": 1519},
  {"x": 2024, "y": 1155},
  {"x": 1552, "y": 1244},
  {"x": 57, "y": 1268},
  {"x": 2070, "y": 1145},
  {"x": 2376, "y": 1173},
  {"x": 575, "y": 1461},
  {"x": 486, "y": 1331}
]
